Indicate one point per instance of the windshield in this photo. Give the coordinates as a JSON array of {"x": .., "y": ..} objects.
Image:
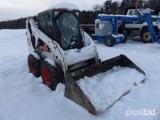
[{"x": 70, "y": 32}]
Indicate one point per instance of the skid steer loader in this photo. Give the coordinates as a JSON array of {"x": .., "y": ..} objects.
[{"x": 59, "y": 51}]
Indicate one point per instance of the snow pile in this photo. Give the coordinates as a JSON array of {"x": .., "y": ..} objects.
[
  {"x": 118, "y": 35},
  {"x": 65, "y": 5},
  {"x": 50, "y": 61},
  {"x": 106, "y": 88},
  {"x": 111, "y": 15},
  {"x": 35, "y": 55},
  {"x": 77, "y": 55},
  {"x": 88, "y": 40}
]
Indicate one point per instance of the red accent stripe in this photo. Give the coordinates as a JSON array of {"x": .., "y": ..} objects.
[{"x": 44, "y": 48}]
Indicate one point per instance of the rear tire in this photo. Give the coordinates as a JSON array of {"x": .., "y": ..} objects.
[
  {"x": 109, "y": 41},
  {"x": 50, "y": 75},
  {"x": 125, "y": 37},
  {"x": 145, "y": 36},
  {"x": 34, "y": 65}
]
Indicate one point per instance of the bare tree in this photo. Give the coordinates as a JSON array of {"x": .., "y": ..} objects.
[{"x": 97, "y": 7}]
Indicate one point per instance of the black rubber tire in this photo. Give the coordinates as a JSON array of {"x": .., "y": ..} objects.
[
  {"x": 125, "y": 38},
  {"x": 145, "y": 36},
  {"x": 109, "y": 41},
  {"x": 34, "y": 65},
  {"x": 50, "y": 75},
  {"x": 60, "y": 74}
]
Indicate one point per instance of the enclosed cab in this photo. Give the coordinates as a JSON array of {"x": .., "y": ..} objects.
[{"x": 62, "y": 26}]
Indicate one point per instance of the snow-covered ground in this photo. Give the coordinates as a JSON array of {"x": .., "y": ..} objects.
[{"x": 24, "y": 97}]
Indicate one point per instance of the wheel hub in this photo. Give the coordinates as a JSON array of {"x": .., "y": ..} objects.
[
  {"x": 108, "y": 41},
  {"x": 147, "y": 36}
]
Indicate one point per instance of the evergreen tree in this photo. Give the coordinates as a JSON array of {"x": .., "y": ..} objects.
[{"x": 154, "y": 4}]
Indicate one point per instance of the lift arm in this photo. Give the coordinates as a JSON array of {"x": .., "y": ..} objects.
[{"x": 126, "y": 18}]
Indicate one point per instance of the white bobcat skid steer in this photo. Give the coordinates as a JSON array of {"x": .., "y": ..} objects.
[{"x": 61, "y": 52}]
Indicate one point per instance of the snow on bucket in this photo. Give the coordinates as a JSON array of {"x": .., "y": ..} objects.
[{"x": 106, "y": 88}]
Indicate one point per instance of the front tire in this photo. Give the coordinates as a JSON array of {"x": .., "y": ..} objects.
[
  {"x": 145, "y": 36},
  {"x": 109, "y": 41},
  {"x": 125, "y": 36},
  {"x": 34, "y": 65},
  {"x": 50, "y": 75}
]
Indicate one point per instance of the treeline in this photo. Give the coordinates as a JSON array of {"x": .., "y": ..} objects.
[
  {"x": 85, "y": 17},
  {"x": 15, "y": 24},
  {"x": 88, "y": 17}
]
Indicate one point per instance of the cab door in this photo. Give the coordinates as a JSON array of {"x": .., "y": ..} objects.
[{"x": 49, "y": 26}]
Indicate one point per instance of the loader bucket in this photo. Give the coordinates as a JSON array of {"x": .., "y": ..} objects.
[{"x": 74, "y": 92}]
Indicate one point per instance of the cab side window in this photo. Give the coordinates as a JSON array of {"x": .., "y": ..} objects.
[
  {"x": 138, "y": 13},
  {"x": 45, "y": 25},
  {"x": 48, "y": 21},
  {"x": 130, "y": 12},
  {"x": 41, "y": 23},
  {"x": 49, "y": 26}
]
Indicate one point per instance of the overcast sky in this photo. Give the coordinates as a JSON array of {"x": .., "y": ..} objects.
[{"x": 13, "y": 9}]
